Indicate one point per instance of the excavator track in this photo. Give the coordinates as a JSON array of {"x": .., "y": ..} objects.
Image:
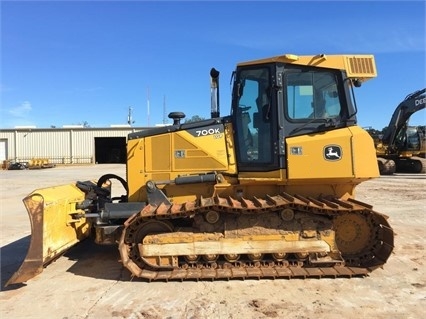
[
  {"x": 360, "y": 240},
  {"x": 414, "y": 164}
]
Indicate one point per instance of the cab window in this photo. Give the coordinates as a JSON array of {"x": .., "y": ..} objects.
[{"x": 312, "y": 95}]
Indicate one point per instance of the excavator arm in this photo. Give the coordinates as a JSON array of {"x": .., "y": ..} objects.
[{"x": 413, "y": 103}]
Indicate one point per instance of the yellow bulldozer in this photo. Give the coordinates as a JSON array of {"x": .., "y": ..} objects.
[{"x": 265, "y": 192}]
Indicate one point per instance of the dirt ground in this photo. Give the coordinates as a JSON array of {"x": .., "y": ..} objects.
[{"x": 89, "y": 282}]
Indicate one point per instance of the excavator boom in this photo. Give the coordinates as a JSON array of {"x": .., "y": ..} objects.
[{"x": 413, "y": 103}]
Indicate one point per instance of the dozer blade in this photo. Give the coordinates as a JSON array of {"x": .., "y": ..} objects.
[{"x": 53, "y": 229}]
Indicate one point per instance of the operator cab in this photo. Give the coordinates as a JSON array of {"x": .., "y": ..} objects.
[
  {"x": 408, "y": 139},
  {"x": 274, "y": 101}
]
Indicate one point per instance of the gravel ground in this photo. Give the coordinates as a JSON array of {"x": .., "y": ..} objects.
[{"x": 89, "y": 282}]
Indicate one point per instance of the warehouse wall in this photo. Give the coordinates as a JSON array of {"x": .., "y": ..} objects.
[{"x": 64, "y": 146}]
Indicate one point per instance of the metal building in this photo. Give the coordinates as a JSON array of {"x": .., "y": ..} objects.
[{"x": 67, "y": 145}]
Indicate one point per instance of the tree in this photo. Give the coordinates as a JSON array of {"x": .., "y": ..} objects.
[
  {"x": 373, "y": 132},
  {"x": 194, "y": 118}
]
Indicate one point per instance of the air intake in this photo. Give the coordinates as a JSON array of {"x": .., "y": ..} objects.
[{"x": 361, "y": 66}]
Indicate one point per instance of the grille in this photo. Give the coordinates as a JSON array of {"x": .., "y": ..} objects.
[{"x": 361, "y": 66}]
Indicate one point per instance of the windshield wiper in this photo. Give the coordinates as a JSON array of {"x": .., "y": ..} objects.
[{"x": 329, "y": 123}]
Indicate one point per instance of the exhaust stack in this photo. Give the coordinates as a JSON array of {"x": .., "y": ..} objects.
[{"x": 214, "y": 85}]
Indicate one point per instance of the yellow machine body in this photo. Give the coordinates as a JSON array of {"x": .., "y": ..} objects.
[
  {"x": 266, "y": 192},
  {"x": 166, "y": 156},
  {"x": 170, "y": 155}
]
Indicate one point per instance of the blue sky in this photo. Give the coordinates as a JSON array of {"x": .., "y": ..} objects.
[{"x": 71, "y": 62}]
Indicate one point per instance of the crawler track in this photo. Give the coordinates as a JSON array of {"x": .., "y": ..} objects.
[
  {"x": 360, "y": 239},
  {"x": 415, "y": 164}
]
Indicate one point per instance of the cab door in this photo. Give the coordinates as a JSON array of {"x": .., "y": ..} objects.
[{"x": 255, "y": 119}]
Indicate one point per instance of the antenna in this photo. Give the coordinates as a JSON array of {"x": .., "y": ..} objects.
[
  {"x": 147, "y": 104},
  {"x": 164, "y": 110}
]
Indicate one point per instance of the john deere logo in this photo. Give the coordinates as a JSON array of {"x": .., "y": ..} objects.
[{"x": 332, "y": 152}]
